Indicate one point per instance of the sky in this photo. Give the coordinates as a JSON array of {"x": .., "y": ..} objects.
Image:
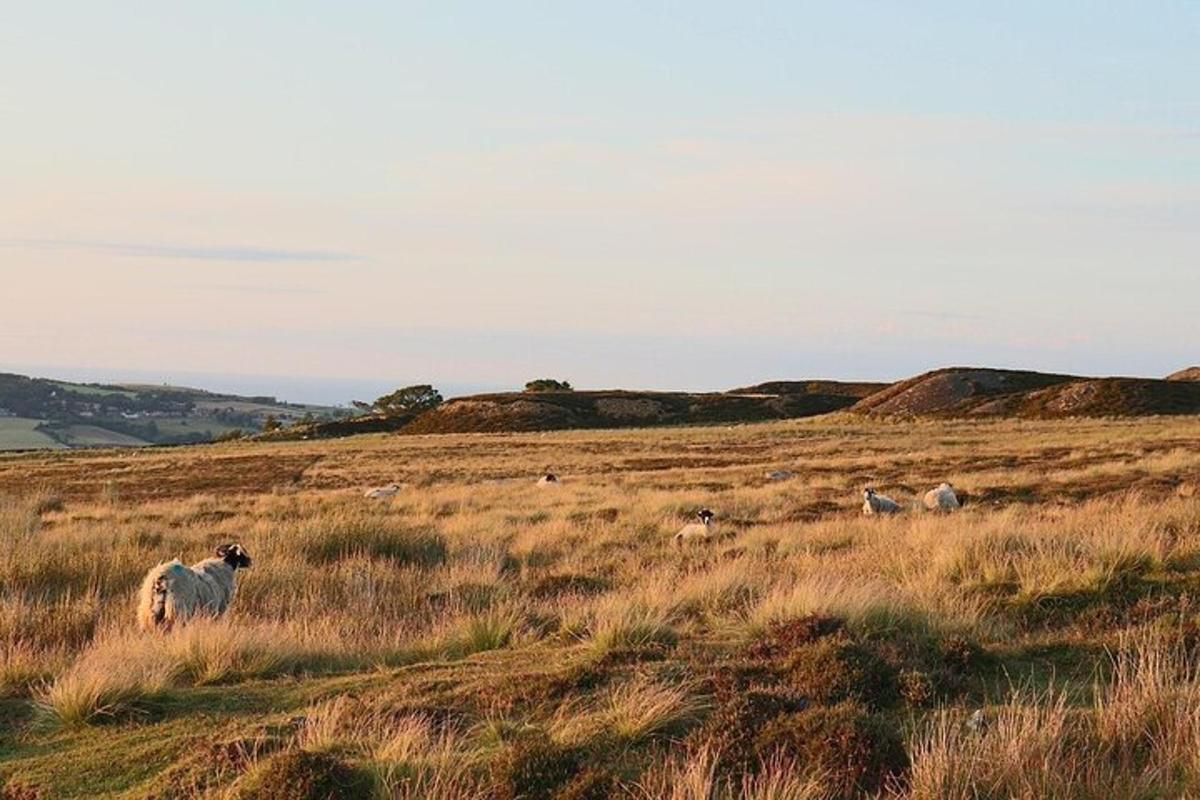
[{"x": 334, "y": 197}]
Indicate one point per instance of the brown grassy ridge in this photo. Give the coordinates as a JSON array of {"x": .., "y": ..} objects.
[
  {"x": 542, "y": 411},
  {"x": 483, "y": 637},
  {"x": 980, "y": 392}
]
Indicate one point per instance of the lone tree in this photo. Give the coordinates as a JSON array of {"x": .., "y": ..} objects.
[
  {"x": 271, "y": 424},
  {"x": 548, "y": 385},
  {"x": 409, "y": 400}
]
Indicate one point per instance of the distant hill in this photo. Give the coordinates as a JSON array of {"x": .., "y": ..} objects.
[
  {"x": 539, "y": 411},
  {"x": 955, "y": 391},
  {"x": 40, "y": 413},
  {"x": 974, "y": 392}
]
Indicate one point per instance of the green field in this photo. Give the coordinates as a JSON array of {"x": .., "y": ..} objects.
[
  {"x": 95, "y": 436},
  {"x": 19, "y": 433},
  {"x": 181, "y": 426},
  {"x": 83, "y": 388},
  {"x": 258, "y": 409}
]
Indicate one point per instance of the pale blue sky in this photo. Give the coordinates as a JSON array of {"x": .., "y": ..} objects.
[{"x": 687, "y": 195}]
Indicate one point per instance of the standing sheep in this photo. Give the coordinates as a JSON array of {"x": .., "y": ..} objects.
[
  {"x": 875, "y": 503},
  {"x": 171, "y": 592},
  {"x": 702, "y": 530},
  {"x": 942, "y": 498}
]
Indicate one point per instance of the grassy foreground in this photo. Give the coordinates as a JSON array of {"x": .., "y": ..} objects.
[{"x": 482, "y": 637}]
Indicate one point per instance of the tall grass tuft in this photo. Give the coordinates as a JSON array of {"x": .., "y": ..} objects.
[{"x": 351, "y": 535}]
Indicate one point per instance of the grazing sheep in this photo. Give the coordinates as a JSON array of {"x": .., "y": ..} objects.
[
  {"x": 875, "y": 503},
  {"x": 702, "y": 530},
  {"x": 549, "y": 479},
  {"x": 780, "y": 475},
  {"x": 382, "y": 492},
  {"x": 172, "y": 592},
  {"x": 942, "y": 498}
]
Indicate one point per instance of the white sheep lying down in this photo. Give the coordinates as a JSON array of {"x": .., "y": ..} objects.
[
  {"x": 875, "y": 503},
  {"x": 172, "y": 593},
  {"x": 382, "y": 492},
  {"x": 942, "y": 498}
]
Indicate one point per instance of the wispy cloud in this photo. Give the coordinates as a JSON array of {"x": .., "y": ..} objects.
[
  {"x": 273, "y": 289},
  {"x": 190, "y": 252},
  {"x": 947, "y": 315}
]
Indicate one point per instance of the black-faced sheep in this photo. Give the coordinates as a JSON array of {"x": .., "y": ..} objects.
[
  {"x": 549, "y": 479},
  {"x": 172, "y": 592},
  {"x": 702, "y": 530},
  {"x": 875, "y": 503}
]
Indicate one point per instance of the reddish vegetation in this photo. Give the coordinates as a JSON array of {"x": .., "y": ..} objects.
[
  {"x": 961, "y": 392},
  {"x": 522, "y": 411}
]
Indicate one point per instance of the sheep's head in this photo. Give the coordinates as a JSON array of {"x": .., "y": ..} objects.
[
  {"x": 868, "y": 493},
  {"x": 550, "y": 477},
  {"x": 706, "y": 516},
  {"x": 234, "y": 555}
]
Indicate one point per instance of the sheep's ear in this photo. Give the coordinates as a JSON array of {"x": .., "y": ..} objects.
[{"x": 223, "y": 549}]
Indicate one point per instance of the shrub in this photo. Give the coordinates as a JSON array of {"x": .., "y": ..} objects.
[
  {"x": 836, "y": 668},
  {"x": 548, "y": 385},
  {"x": 959, "y": 654},
  {"x": 13, "y": 789},
  {"x": 593, "y": 783},
  {"x": 855, "y": 751},
  {"x": 917, "y": 687},
  {"x": 409, "y": 400},
  {"x": 785, "y": 637},
  {"x": 302, "y": 775},
  {"x": 729, "y": 732},
  {"x": 532, "y": 768}
]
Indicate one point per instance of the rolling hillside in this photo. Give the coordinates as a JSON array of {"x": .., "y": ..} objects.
[
  {"x": 539, "y": 411},
  {"x": 971, "y": 392},
  {"x": 1189, "y": 374},
  {"x": 39, "y": 413}
]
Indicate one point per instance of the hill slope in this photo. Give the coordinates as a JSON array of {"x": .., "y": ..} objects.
[
  {"x": 955, "y": 391},
  {"x": 525, "y": 411},
  {"x": 962, "y": 391},
  {"x": 1189, "y": 374},
  {"x": 38, "y": 413}
]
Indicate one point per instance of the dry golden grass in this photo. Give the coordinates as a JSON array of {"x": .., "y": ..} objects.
[{"x": 477, "y": 620}]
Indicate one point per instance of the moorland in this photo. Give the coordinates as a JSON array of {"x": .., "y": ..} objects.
[{"x": 480, "y": 636}]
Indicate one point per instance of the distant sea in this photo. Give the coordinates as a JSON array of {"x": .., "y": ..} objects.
[{"x": 321, "y": 391}]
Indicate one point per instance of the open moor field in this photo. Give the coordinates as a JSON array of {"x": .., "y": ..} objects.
[{"x": 480, "y": 637}]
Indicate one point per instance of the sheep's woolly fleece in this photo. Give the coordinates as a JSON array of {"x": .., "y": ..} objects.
[{"x": 173, "y": 592}]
